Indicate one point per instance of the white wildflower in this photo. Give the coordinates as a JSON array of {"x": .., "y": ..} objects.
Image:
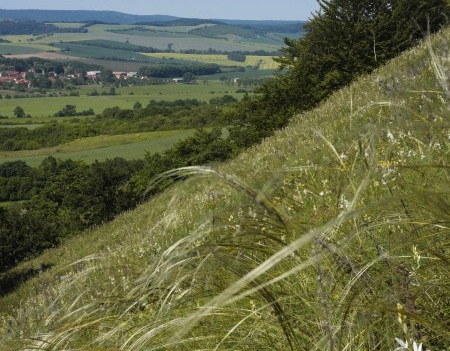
[
  {"x": 390, "y": 136},
  {"x": 343, "y": 203}
]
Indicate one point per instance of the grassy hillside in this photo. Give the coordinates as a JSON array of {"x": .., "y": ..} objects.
[{"x": 331, "y": 235}]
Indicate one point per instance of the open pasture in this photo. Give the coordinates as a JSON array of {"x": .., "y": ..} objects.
[
  {"x": 67, "y": 24},
  {"x": 128, "y": 146},
  {"x": 125, "y": 97}
]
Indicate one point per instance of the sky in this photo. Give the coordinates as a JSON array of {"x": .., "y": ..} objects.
[{"x": 224, "y": 9}]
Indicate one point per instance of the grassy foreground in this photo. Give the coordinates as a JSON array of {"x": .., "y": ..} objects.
[{"x": 331, "y": 235}]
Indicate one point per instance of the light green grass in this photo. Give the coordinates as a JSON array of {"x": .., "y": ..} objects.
[
  {"x": 331, "y": 235},
  {"x": 48, "y": 106},
  {"x": 128, "y": 146},
  {"x": 67, "y": 24},
  {"x": 17, "y": 38}
]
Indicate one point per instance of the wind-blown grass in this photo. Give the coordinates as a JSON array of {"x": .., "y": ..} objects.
[{"x": 331, "y": 235}]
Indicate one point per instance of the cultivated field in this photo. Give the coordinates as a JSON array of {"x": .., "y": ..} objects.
[
  {"x": 263, "y": 62},
  {"x": 156, "y": 37},
  {"x": 17, "y": 49}
]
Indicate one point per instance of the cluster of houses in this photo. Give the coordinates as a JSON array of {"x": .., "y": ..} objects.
[
  {"x": 124, "y": 75},
  {"x": 14, "y": 76},
  {"x": 20, "y": 77}
]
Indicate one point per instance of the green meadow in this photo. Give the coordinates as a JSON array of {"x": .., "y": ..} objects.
[
  {"x": 125, "y": 97},
  {"x": 67, "y": 24},
  {"x": 128, "y": 146}
]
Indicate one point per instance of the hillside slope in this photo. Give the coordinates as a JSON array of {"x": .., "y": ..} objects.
[{"x": 331, "y": 235}]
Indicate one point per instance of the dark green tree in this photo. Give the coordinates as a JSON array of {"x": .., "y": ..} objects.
[
  {"x": 106, "y": 75},
  {"x": 347, "y": 38},
  {"x": 137, "y": 106},
  {"x": 189, "y": 77},
  {"x": 19, "y": 112},
  {"x": 68, "y": 110}
]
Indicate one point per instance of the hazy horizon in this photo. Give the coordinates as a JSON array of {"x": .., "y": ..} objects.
[{"x": 209, "y": 9}]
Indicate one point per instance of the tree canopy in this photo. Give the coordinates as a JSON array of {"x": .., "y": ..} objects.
[{"x": 346, "y": 38}]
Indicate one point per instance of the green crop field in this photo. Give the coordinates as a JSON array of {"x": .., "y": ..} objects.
[
  {"x": 128, "y": 146},
  {"x": 17, "y": 49},
  {"x": 98, "y": 52},
  {"x": 126, "y": 97},
  {"x": 17, "y": 38},
  {"x": 67, "y": 24}
]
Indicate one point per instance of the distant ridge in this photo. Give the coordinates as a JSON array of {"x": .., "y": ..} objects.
[
  {"x": 122, "y": 18},
  {"x": 80, "y": 16}
]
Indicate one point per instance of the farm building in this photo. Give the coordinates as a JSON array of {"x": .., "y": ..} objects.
[{"x": 177, "y": 80}]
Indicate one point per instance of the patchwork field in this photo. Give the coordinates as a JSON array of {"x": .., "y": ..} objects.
[{"x": 178, "y": 37}]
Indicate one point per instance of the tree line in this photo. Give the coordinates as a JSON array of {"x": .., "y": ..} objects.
[{"x": 172, "y": 71}]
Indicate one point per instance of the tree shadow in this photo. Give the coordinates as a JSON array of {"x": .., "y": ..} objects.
[{"x": 10, "y": 281}]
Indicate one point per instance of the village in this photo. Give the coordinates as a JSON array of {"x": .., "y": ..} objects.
[
  {"x": 27, "y": 78},
  {"x": 41, "y": 79}
]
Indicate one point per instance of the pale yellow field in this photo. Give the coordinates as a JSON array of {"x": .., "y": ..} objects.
[
  {"x": 266, "y": 62},
  {"x": 17, "y": 38}
]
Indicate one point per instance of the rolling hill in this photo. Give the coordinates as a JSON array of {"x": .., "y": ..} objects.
[{"x": 79, "y": 16}]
